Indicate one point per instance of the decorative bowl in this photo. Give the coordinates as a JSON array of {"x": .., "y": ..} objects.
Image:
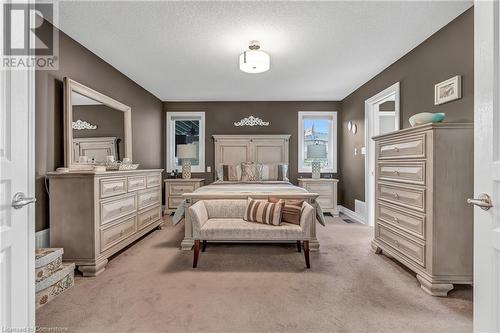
[{"x": 426, "y": 117}]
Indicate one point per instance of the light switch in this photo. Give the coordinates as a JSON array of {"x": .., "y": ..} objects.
[
  {"x": 363, "y": 150},
  {"x": 209, "y": 168}
]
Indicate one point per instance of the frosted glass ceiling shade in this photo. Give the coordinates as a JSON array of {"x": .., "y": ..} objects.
[
  {"x": 316, "y": 151},
  {"x": 186, "y": 151},
  {"x": 254, "y": 61}
]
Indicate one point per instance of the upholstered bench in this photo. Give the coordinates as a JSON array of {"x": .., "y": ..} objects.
[{"x": 222, "y": 220}]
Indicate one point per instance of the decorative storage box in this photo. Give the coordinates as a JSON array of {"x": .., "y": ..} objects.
[
  {"x": 47, "y": 261},
  {"x": 55, "y": 284}
]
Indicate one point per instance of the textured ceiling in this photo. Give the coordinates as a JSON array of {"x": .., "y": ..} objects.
[{"x": 189, "y": 50}]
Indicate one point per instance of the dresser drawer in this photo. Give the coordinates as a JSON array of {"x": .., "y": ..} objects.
[
  {"x": 409, "y": 147},
  {"x": 326, "y": 189},
  {"x": 409, "y": 172},
  {"x": 325, "y": 201},
  {"x": 112, "y": 186},
  {"x": 181, "y": 188},
  {"x": 116, "y": 208},
  {"x": 147, "y": 217},
  {"x": 148, "y": 198},
  {"x": 405, "y": 196},
  {"x": 136, "y": 183},
  {"x": 408, "y": 248},
  {"x": 399, "y": 219},
  {"x": 113, "y": 234},
  {"x": 174, "y": 202},
  {"x": 153, "y": 180}
]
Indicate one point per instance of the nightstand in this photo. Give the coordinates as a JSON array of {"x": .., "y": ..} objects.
[
  {"x": 327, "y": 190},
  {"x": 175, "y": 188}
]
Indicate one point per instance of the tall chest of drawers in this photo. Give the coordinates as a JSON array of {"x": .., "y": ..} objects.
[
  {"x": 423, "y": 177},
  {"x": 94, "y": 215}
]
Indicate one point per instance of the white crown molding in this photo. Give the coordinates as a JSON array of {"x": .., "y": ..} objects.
[
  {"x": 251, "y": 121},
  {"x": 83, "y": 125}
]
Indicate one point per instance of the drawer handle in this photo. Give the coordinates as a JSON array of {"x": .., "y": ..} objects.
[
  {"x": 396, "y": 243},
  {"x": 396, "y": 220},
  {"x": 115, "y": 187},
  {"x": 396, "y": 173},
  {"x": 396, "y": 195},
  {"x": 396, "y": 149}
]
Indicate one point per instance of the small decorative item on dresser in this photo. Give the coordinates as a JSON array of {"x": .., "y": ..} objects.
[
  {"x": 448, "y": 90},
  {"x": 426, "y": 117},
  {"x": 316, "y": 152},
  {"x": 185, "y": 153}
]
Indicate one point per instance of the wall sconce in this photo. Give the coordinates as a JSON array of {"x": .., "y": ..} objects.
[{"x": 352, "y": 127}]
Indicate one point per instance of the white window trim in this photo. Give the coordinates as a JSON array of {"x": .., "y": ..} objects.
[
  {"x": 170, "y": 144},
  {"x": 332, "y": 138}
]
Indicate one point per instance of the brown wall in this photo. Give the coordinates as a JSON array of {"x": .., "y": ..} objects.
[
  {"x": 78, "y": 63},
  {"x": 447, "y": 53},
  {"x": 282, "y": 117}
]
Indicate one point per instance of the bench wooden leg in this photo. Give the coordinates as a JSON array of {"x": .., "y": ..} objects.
[
  {"x": 306, "y": 253},
  {"x": 298, "y": 246},
  {"x": 203, "y": 246},
  {"x": 196, "y": 252}
]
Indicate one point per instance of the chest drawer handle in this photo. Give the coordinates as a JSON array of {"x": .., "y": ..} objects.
[
  {"x": 396, "y": 195},
  {"x": 396, "y": 220},
  {"x": 396, "y": 173},
  {"x": 396, "y": 243},
  {"x": 396, "y": 149}
]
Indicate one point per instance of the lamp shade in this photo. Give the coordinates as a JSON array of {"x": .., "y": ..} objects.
[
  {"x": 186, "y": 151},
  {"x": 254, "y": 61},
  {"x": 316, "y": 151}
]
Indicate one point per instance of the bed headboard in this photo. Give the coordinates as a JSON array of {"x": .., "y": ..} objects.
[{"x": 258, "y": 148}]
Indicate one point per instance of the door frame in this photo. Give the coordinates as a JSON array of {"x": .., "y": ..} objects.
[
  {"x": 486, "y": 156},
  {"x": 370, "y": 144}
]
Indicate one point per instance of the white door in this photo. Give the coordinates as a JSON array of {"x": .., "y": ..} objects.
[
  {"x": 486, "y": 167},
  {"x": 17, "y": 230},
  {"x": 375, "y": 124}
]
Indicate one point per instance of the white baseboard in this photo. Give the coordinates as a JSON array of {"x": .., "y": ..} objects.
[
  {"x": 42, "y": 238},
  {"x": 353, "y": 215}
]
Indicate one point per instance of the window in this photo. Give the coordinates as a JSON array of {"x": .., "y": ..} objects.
[
  {"x": 318, "y": 127},
  {"x": 183, "y": 128}
]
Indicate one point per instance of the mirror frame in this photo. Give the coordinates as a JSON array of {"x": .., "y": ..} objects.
[{"x": 72, "y": 85}]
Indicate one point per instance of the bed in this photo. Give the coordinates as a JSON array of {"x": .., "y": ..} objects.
[{"x": 233, "y": 149}]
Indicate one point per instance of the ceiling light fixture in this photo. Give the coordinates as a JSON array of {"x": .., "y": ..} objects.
[{"x": 254, "y": 61}]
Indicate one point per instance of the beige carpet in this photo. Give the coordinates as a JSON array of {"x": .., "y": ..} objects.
[{"x": 150, "y": 287}]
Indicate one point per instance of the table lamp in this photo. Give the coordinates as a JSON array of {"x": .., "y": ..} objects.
[
  {"x": 316, "y": 152},
  {"x": 186, "y": 152}
]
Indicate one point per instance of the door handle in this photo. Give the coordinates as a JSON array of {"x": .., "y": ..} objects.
[
  {"x": 20, "y": 200},
  {"x": 483, "y": 201}
]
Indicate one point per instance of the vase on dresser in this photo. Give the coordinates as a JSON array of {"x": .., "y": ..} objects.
[{"x": 423, "y": 177}]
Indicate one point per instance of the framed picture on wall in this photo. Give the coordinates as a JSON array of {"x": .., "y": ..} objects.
[{"x": 448, "y": 90}]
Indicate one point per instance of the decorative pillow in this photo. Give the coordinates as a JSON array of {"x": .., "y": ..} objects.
[
  {"x": 274, "y": 172},
  {"x": 263, "y": 211},
  {"x": 228, "y": 172},
  {"x": 292, "y": 210},
  {"x": 251, "y": 171}
]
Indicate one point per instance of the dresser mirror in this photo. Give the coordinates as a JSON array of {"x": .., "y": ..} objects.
[{"x": 97, "y": 128}]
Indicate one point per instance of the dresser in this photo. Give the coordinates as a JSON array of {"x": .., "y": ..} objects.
[
  {"x": 176, "y": 187},
  {"x": 423, "y": 177},
  {"x": 94, "y": 215},
  {"x": 327, "y": 190}
]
